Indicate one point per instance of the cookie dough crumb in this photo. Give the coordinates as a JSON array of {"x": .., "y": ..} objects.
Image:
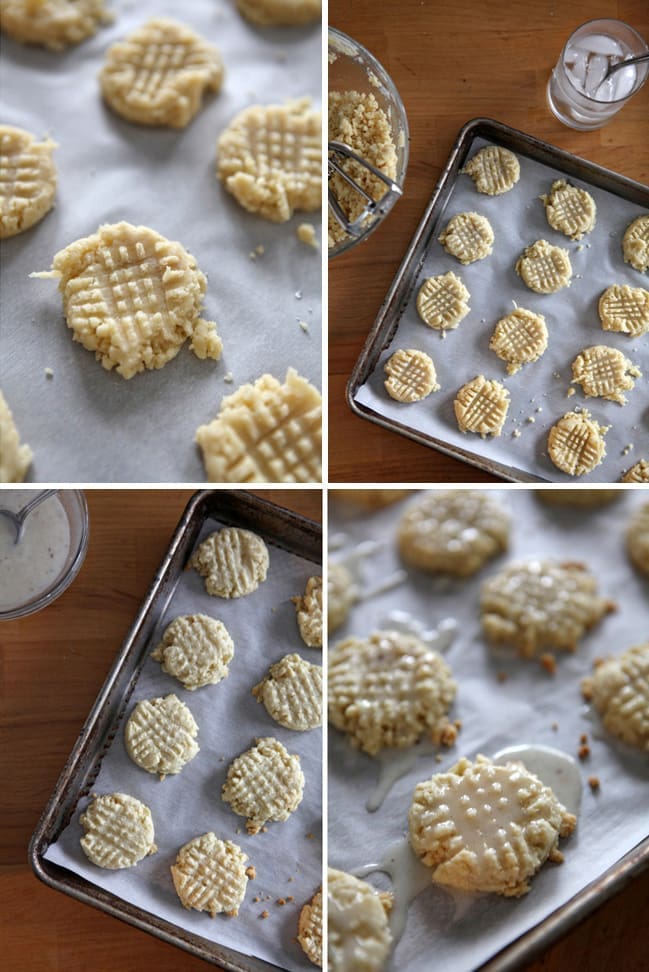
[
  {"x": 264, "y": 914},
  {"x": 548, "y": 662},
  {"x": 570, "y": 393},
  {"x": 281, "y": 901},
  {"x": 15, "y": 459},
  {"x": 516, "y": 434},
  {"x": 306, "y": 234},
  {"x": 593, "y": 782},
  {"x": 49, "y": 373},
  {"x": 583, "y": 752},
  {"x": 228, "y": 378},
  {"x": 304, "y": 326},
  {"x": 251, "y": 872}
]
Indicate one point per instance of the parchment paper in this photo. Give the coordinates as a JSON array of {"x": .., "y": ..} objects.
[
  {"x": 462, "y": 931},
  {"x": 287, "y": 861},
  {"x": 85, "y": 424},
  {"x": 538, "y": 390}
]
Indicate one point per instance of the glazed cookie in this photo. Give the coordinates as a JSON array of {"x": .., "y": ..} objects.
[
  {"x": 160, "y": 735},
  {"x": 54, "y": 24},
  {"x": 519, "y": 338},
  {"x": 358, "y": 934},
  {"x": 482, "y": 827},
  {"x": 468, "y": 236},
  {"x": 637, "y": 538},
  {"x": 118, "y": 831},
  {"x": 635, "y": 243},
  {"x": 341, "y": 595},
  {"x": 494, "y": 170},
  {"x": 210, "y": 875},
  {"x": 636, "y": 474},
  {"x": 576, "y": 443},
  {"x": 605, "y": 373},
  {"x": 234, "y": 562},
  {"x": 570, "y": 210},
  {"x": 369, "y": 499},
  {"x": 196, "y": 650},
  {"x": 264, "y": 783},
  {"x": 619, "y": 690},
  {"x": 453, "y": 532},
  {"x": 275, "y": 13},
  {"x": 292, "y": 693},
  {"x": 411, "y": 375},
  {"x": 27, "y": 180},
  {"x": 15, "y": 459},
  {"x": 388, "y": 690},
  {"x": 584, "y": 498},
  {"x": 443, "y": 301},
  {"x": 309, "y": 613},
  {"x": 309, "y": 929},
  {"x": 266, "y": 432},
  {"x": 270, "y": 159},
  {"x": 625, "y": 310},
  {"x": 541, "y": 604},
  {"x": 544, "y": 268},
  {"x": 481, "y": 406}
]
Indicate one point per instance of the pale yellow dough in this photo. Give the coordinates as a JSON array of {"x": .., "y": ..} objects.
[
  {"x": 604, "y": 372},
  {"x": 443, "y": 301},
  {"x": 519, "y": 338},
  {"x": 27, "y": 180},
  {"x": 54, "y": 24},
  {"x": 625, "y": 309},
  {"x": 481, "y": 406},
  {"x": 15, "y": 459},
  {"x": 544, "y": 268},
  {"x": 635, "y": 243},
  {"x": 576, "y": 443},
  {"x": 494, "y": 170},
  {"x": 468, "y": 237},
  {"x": 570, "y": 210},
  {"x": 411, "y": 375},
  {"x": 275, "y": 13},
  {"x": 638, "y": 473},
  {"x": 291, "y": 692}
]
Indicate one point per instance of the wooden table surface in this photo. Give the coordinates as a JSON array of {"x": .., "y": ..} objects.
[{"x": 453, "y": 61}]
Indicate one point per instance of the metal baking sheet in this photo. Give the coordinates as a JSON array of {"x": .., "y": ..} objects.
[
  {"x": 85, "y": 424},
  {"x": 539, "y": 390},
  {"x": 611, "y": 842},
  {"x": 288, "y": 857}
]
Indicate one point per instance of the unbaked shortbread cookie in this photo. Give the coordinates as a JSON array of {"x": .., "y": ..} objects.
[
  {"x": 482, "y": 827},
  {"x": 639, "y": 473},
  {"x": 309, "y": 929},
  {"x": 369, "y": 499},
  {"x": 443, "y": 301},
  {"x": 619, "y": 690},
  {"x": 541, "y": 604},
  {"x": 15, "y": 459},
  {"x": 358, "y": 934},
  {"x": 27, "y": 180},
  {"x": 388, "y": 690},
  {"x": 576, "y": 443},
  {"x": 604, "y": 372},
  {"x": 159, "y": 74},
  {"x": 494, "y": 170},
  {"x": 266, "y": 432},
  {"x": 118, "y": 831},
  {"x": 635, "y": 243},
  {"x": 544, "y": 268},
  {"x": 270, "y": 159},
  {"x": 308, "y": 608},
  {"x": 264, "y": 783},
  {"x": 468, "y": 236},
  {"x": 453, "y": 532},
  {"x": 292, "y": 693},
  {"x": 625, "y": 309},
  {"x": 273, "y": 13},
  {"x": 341, "y": 595},
  {"x": 233, "y": 562},
  {"x": 637, "y": 538},
  {"x": 54, "y": 24},
  {"x": 519, "y": 338},
  {"x": 160, "y": 735},
  {"x": 210, "y": 875},
  {"x": 481, "y": 406},
  {"x": 584, "y": 498},
  {"x": 570, "y": 210},
  {"x": 411, "y": 375},
  {"x": 133, "y": 297},
  {"x": 195, "y": 649}
]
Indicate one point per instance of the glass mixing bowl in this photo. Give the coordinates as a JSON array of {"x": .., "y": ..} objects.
[{"x": 353, "y": 68}]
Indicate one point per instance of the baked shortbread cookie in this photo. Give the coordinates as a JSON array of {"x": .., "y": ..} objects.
[
  {"x": 270, "y": 159},
  {"x": 388, "y": 690},
  {"x": 233, "y": 562},
  {"x": 481, "y": 406},
  {"x": 341, "y": 595},
  {"x": 118, "y": 831},
  {"x": 292, "y": 693},
  {"x": 570, "y": 210},
  {"x": 210, "y": 875},
  {"x": 494, "y": 170},
  {"x": 133, "y": 297},
  {"x": 605, "y": 373},
  {"x": 619, "y": 690},
  {"x": 160, "y": 735},
  {"x": 358, "y": 934},
  {"x": 544, "y": 268},
  {"x": 453, "y": 532},
  {"x": 584, "y": 498},
  {"x": 443, "y": 301},
  {"x": 54, "y": 24},
  {"x": 27, "y": 180},
  {"x": 482, "y": 827},
  {"x": 411, "y": 375},
  {"x": 309, "y": 929},
  {"x": 159, "y": 74},
  {"x": 635, "y": 243},
  {"x": 576, "y": 443},
  {"x": 308, "y": 608},
  {"x": 369, "y": 499},
  {"x": 264, "y": 783},
  {"x": 519, "y": 338},
  {"x": 625, "y": 310},
  {"x": 15, "y": 459},
  {"x": 639, "y": 473},
  {"x": 195, "y": 649},
  {"x": 541, "y": 604},
  {"x": 266, "y": 432},
  {"x": 637, "y": 538},
  {"x": 468, "y": 236},
  {"x": 275, "y": 13}
]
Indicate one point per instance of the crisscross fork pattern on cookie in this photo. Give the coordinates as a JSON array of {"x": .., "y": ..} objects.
[
  {"x": 204, "y": 878},
  {"x": 625, "y": 309}
]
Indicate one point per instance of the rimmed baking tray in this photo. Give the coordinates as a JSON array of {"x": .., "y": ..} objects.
[
  {"x": 280, "y": 528},
  {"x": 437, "y": 428}
]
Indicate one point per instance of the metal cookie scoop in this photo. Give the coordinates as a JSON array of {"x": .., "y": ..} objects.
[
  {"x": 338, "y": 153},
  {"x": 18, "y": 519}
]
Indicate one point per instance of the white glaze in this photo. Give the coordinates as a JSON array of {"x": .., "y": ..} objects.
[
  {"x": 393, "y": 764},
  {"x": 439, "y": 638},
  {"x": 30, "y": 567},
  {"x": 409, "y": 878},
  {"x": 553, "y": 767}
]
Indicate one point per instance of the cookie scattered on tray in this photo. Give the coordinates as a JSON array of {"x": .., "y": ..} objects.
[
  {"x": 468, "y": 237},
  {"x": 264, "y": 783},
  {"x": 604, "y": 372},
  {"x": 576, "y": 443},
  {"x": 160, "y": 735},
  {"x": 195, "y": 649},
  {"x": 570, "y": 210},
  {"x": 411, "y": 375},
  {"x": 358, "y": 933},
  {"x": 619, "y": 690},
  {"x": 519, "y": 338},
  {"x": 275, "y": 13},
  {"x": 54, "y": 24},
  {"x": 118, "y": 831},
  {"x": 443, "y": 301},
  {"x": 544, "y": 268},
  {"x": 15, "y": 459},
  {"x": 625, "y": 309},
  {"x": 637, "y": 538},
  {"x": 210, "y": 875},
  {"x": 308, "y": 609},
  {"x": 481, "y": 406},
  {"x": 494, "y": 170},
  {"x": 635, "y": 243},
  {"x": 585, "y": 498},
  {"x": 292, "y": 693},
  {"x": 309, "y": 929},
  {"x": 27, "y": 180},
  {"x": 232, "y": 561}
]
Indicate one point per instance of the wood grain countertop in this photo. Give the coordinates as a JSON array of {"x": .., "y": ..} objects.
[{"x": 453, "y": 61}]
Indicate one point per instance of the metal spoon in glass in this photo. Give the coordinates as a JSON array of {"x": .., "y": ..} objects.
[
  {"x": 18, "y": 519},
  {"x": 622, "y": 64}
]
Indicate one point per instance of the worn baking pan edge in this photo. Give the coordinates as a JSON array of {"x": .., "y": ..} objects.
[
  {"x": 239, "y": 508},
  {"x": 399, "y": 293}
]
